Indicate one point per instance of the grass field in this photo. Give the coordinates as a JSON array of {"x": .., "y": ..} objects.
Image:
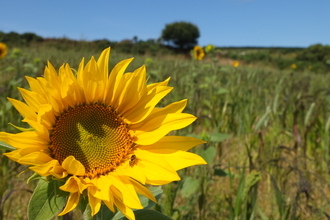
[{"x": 267, "y": 133}]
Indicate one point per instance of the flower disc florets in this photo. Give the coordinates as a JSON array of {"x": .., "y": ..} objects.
[{"x": 94, "y": 135}]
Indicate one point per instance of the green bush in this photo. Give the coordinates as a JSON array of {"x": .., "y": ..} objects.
[{"x": 316, "y": 52}]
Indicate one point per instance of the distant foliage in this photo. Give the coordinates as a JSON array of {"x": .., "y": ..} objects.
[
  {"x": 134, "y": 46},
  {"x": 19, "y": 39},
  {"x": 182, "y": 34},
  {"x": 316, "y": 52}
]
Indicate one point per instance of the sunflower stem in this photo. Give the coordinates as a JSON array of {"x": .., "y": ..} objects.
[{"x": 168, "y": 206}]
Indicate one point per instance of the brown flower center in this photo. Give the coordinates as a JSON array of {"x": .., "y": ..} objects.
[{"x": 95, "y": 135}]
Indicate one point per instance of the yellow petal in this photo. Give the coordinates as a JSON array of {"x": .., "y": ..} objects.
[
  {"x": 181, "y": 159},
  {"x": 134, "y": 172},
  {"x": 28, "y": 139},
  {"x": 33, "y": 99},
  {"x": 58, "y": 171},
  {"x": 43, "y": 170},
  {"x": 72, "y": 203},
  {"x": 134, "y": 91},
  {"x": 46, "y": 116},
  {"x": 42, "y": 132},
  {"x": 124, "y": 209},
  {"x": 113, "y": 81},
  {"x": 35, "y": 158},
  {"x": 94, "y": 83},
  {"x": 94, "y": 203},
  {"x": 158, "y": 127},
  {"x": 172, "y": 144},
  {"x": 100, "y": 188},
  {"x": 36, "y": 87},
  {"x": 24, "y": 109},
  {"x": 18, "y": 154},
  {"x": 74, "y": 184},
  {"x": 124, "y": 190},
  {"x": 103, "y": 63},
  {"x": 110, "y": 203},
  {"x": 147, "y": 104},
  {"x": 73, "y": 166},
  {"x": 164, "y": 83},
  {"x": 142, "y": 190},
  {"x": 51, "y": 76},
  {"x": 156, "y": 168},
  {"x": 176, "y": 107}
]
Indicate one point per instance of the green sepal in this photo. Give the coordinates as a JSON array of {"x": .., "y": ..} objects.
[
  {"x": 20, "y": 128},
  {"x": 34, "y": 176}
]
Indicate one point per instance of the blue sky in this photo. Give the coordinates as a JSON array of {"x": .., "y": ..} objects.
[{"x": 268, "y": 23}]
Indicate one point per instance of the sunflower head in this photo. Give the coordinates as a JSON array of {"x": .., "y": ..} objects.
[
  {"x": 209, "y": 48},
  {"x": 235, "y": 63},
  {"x": 198, "y": 53},
  {"x": 3, "y": 50},
  {"x": 101, "y": 134}
]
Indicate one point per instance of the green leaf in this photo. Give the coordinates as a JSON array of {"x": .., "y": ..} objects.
[
  {"x": 263, "y": 119},
  {"x": 83, "y": 204},
  {"x": 190, "y": 185},
  {"x": 222, "y": 91},
  {"x": 327, "y": 124},
  {"x": 309, "y": 113},
  {"x": 279, "y": 197},
  {"x": 5, "y": 146},
  {"x": 45, "y": 203},
  {"x": 104, "y": 213},
  {"x": 218, "y": 137},
  {"x": 208, "y": 154},
  {"x": 220, "y": 172},
  {"x": 149, "y": 215}
]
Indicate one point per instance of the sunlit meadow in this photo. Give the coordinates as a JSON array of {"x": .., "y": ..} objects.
[{"x": 266, "y": 128}]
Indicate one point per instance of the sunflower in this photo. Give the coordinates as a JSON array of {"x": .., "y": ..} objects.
[
  {"x": 235, "y": 63},
  {"x": 3, "y": 50},
  {"x": 102, "y": 134},
  {"x": 198, "y": 53},
  {"x": 209, "y": 48}
]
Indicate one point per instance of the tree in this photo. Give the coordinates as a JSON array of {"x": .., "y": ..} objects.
[{"x": 182, "y": 34}]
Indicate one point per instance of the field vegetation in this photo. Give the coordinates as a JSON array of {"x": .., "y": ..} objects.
[{"x": 266, "y": 123}]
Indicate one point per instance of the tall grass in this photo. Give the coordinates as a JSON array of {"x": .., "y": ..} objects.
[{"x": 267, "y": 132}]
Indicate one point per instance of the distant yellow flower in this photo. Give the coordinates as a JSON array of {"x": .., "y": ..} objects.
[
  {"x": 235, "y": 63},
  {"x": 102, "y": 134},
  {"x": 3, "y": 50},
  {"x": 209, "y": 48},
  {"x": 310, "y": 67},
  {"x": 294, "y": 66},
  {"x": 198, "y": 53}
]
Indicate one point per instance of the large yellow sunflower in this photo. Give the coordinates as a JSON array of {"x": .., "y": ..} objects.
[
  {"x": 3, "y": 50},
  {"x": 101, "y": 133}
]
